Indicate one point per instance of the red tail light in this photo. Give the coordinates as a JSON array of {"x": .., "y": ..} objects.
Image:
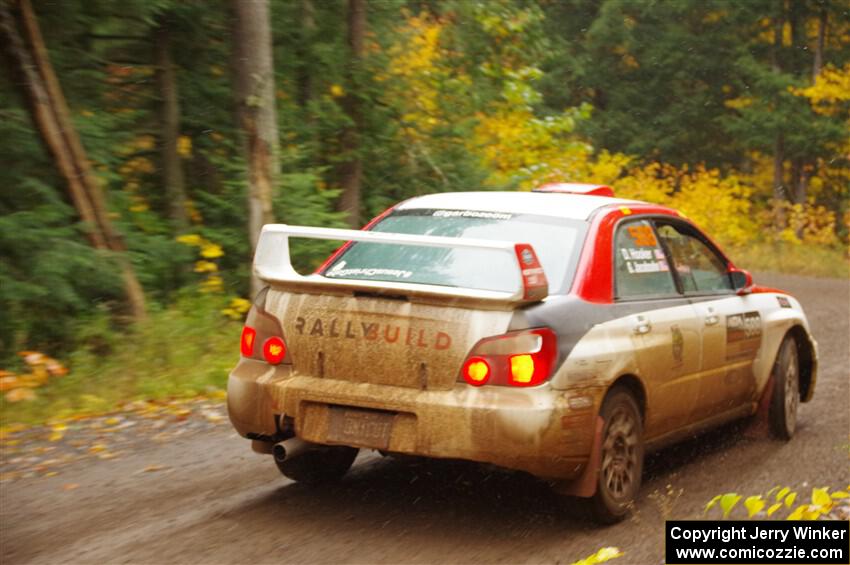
[
  {"x": 476, "y": 371},
  {"x": 249, "y": 336},
  {"x": 523, "y": 358},
  {"x": 262, "y": 336},
  {"x": 274, "y": 350}
]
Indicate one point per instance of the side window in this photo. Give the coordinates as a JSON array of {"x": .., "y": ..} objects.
[
  {"x": 640, "y": 265},
  {"x": 699, "y": 268}
]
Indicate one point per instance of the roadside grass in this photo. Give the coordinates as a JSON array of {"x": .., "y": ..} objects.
[
  {"x": 181, "y": 352},
  {"x": 795, "y": 259}
]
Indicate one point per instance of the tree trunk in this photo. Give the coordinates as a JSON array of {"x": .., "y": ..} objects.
[
  {"x": 169, "y": 126},
  {"x": 779, "y": 140},
  {"x": 821, "y": 41},
  {"x": 52, "y": 119},
  {"x": 797, "y": 22},
  {"x": 305, "y": 67},
  {"x": 802, "y": 173},
  {"x": 255, "y": 102},
  {"x": 801, "y": 194},
  {"x": 351, "y": 169}
]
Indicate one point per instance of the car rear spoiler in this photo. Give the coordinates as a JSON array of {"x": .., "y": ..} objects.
[{"x": 272, "y": 264}]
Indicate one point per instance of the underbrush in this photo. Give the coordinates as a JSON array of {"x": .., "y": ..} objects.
[
  {"x": 182, "y": 351},
  {"x": 796, "y": 259}
]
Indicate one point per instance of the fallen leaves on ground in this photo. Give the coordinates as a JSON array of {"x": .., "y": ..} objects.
[
  {"x": 153, "y": 468},
  {"x": 41, "y": 451}
]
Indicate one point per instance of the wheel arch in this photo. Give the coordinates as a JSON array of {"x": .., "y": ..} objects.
[
  {"x": 808, "y": 361},
  {"x": 634, "y": 385}
]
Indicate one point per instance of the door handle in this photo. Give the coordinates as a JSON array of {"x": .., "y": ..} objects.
[
  {"x": 711, "y": 319},
  {"x": 643, "y": 326}
]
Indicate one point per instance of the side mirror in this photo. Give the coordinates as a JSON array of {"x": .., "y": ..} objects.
[{"x": 742, "y": 281}]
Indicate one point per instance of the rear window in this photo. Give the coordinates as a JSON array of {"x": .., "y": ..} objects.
[{"x": 556, "y": 241}]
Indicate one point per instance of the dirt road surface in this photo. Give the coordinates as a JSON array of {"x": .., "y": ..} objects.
[{"x": 204, "y": 497}]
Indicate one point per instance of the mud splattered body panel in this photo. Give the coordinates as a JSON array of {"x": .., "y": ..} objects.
[
  {"x": 380, "y": 341},
  {"x": 402, "y": 359}
]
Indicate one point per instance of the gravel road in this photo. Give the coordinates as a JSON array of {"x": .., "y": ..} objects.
[{"x": 201, "y": 495}]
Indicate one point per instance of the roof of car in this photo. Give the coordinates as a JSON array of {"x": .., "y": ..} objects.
[{"x": 573, "y": 206}]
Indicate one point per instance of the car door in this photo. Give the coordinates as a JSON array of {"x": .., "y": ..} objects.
[
  {"x": 662, "y": 323},
  {"x": 730, "y": 331}
]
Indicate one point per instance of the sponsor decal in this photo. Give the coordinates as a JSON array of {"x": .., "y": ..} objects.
[
  {"x": 471, "y": 214},
  {"x": 743, "y": 336},
  {"x": 678, "y": 343},
  {"x": 527, "y": 256},
  {"x": 371, "y": 331},
  {"x": 643, "y": 236},
  {"x": 644, "y": 260},
  {"x": 783, "y": 301},
  {"x": 339, "y": 270}
]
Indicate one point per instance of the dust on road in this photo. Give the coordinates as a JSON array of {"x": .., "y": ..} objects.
[{"x": 204, "y": 497}]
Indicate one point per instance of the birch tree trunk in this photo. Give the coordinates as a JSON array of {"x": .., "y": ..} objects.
[{"x": 254, "y": 87}]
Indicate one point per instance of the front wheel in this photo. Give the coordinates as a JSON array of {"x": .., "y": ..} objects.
[
  {"x": 621, "y": 457},
  {"x": 786, "y": 390},
  {"x": 320, "y": 464}
]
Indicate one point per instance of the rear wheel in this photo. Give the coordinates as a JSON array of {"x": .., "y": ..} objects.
[
  {"x": 319, "y": 464},
  {"x": 621, "y": 457},
  {"x": 786, "y": 390}
]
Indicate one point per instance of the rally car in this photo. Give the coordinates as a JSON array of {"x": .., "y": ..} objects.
[{"x": 563, "y": 332}]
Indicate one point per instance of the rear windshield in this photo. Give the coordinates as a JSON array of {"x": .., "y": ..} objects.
[{"x": 556, "y": 241}]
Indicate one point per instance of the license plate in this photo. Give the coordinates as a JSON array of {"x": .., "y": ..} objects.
[{"x": 360, "y": 427}]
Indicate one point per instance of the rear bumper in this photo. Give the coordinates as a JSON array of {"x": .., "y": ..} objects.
[{"x": 526, "y": 429}]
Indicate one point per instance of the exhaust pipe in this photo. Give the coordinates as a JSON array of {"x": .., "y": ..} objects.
[{"x": 289, "y": 448}]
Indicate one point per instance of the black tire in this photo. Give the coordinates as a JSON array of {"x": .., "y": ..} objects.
[
  {"x": 785, "y": 400},
  {"x": 321, "y": 464},
  {"x": 621, "y": 457}
]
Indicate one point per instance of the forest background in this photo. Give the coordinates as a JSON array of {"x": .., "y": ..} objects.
[{"x": 143, "y": 144}]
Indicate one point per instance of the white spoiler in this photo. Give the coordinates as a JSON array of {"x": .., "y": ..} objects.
[{"x": 272, "y": 264}]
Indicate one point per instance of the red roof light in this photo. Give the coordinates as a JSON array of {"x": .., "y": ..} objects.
[{"x": 576, "y": 188}]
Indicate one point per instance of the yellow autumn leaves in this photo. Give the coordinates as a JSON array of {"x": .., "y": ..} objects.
[
  {"x": 208, "y": 252},
  {"x": 830, "y": 90},
  {"x": 212, "y": 282},
  {"x": 601, "y": 556},
  {"x": 237, "y": 308},
  {"x": 422, "y": 82},
  {"x": 821, "y": 504},
  {"x": 524, "y": 149}
]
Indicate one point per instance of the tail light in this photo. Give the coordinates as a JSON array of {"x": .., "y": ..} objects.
[
  {"x": 523, "y": 358},
  {"x": 249, "y": 338},
  {"x": 274, "y": 350},
  {"x": 262, "y": 336},
  {"x": 476, "y": 371}
]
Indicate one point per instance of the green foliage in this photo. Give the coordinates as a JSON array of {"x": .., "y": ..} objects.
[
  {"x": 302, "y": 201},
  {"x": 49, "y": 275},
  {"x": 183, "y": 351}
]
